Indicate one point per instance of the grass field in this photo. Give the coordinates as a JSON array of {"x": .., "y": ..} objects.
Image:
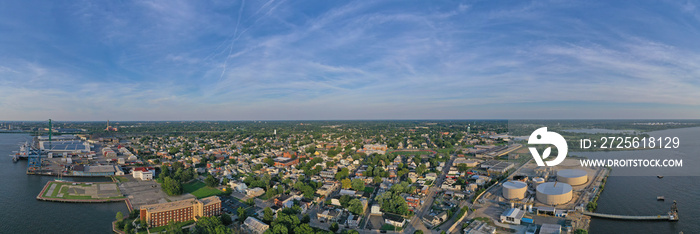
[
  {"x": 121, "y": 179},
  {"x": 200, "y": 190},
  {"x": 389, "y": 227}
]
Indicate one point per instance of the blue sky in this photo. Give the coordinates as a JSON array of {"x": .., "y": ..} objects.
[{"x": 259, "y": 60}]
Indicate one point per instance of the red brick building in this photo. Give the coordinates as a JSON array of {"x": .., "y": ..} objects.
[
  {"x": 157, "y": 215},
  {"x": 413, "y": 202},
  {"x": 286, "y": 162}
]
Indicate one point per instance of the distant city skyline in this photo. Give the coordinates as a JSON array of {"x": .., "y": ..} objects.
[{"x": 337, "y": 60}]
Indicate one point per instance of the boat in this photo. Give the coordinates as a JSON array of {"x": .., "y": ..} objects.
[
  {"x": 660, "y": 198},
  {"x": 60, "y": 178},
  {"x": 659, "y": 176}
]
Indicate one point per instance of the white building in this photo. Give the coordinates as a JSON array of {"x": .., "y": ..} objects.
[
  {"x": 394, "y": 220},
  {"x": 431, "y": 176},
  {"x": 512, "y": 216},
  {"x": 238, "y": 186},
  {"x": 144, "y": 173},
  {"x": 376, "y": 210},
  {"x": 255, "y": 192}
]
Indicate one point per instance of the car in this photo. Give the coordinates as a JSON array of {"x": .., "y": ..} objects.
[{"x": 383, "y": 231}]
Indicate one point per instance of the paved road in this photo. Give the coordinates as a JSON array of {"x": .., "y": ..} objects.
[{"x": 416, "y": 222}]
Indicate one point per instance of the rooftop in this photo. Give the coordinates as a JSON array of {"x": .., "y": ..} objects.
[
  {"x": 103, "y": 168},
  {"x": 170, "y": 205},
  {"x": 210, "y": 200},
  {"x": 554, "y": 188},
  {"x": 514, "y": 184}
]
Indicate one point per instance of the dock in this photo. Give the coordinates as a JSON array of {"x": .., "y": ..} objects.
[{"x": 629, "y": 217}]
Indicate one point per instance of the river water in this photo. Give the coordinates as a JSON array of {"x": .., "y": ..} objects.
[
  {"x": 22, "y": 213},
  {"x": 636, "y": 195}
]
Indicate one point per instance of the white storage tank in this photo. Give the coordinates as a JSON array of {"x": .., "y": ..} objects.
[
  {"x": 514, "y": 189},
  {"x": 572, "y": 176},
  {"x": 554, "y": 193}
]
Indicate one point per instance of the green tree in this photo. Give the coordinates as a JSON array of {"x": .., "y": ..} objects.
[
  {"x": 355, "y": 206},
  {"x": 270, "y": 193},
  {"x": 173, "y": 228},
  {"x": 120, "y": 216},
  {"x": 358, "y": 185},
  {"x": 128, "y": 227},
  {"x": 226, "y": 219},
  {"x": 418, "y": 232},
  {"x": 344, "y": 200},
  {"x": 311, "y": 150},
  {"x": 171, "y": 186},
  {"x": 250, "y": 202},
  {"x": 268, "y": 216},
  {"x": 241, "y": 214},
  {"x": 462, "y": 167},
  {"x": 305, "y": 219},
  {"x": 303, "y": 229},
  {"x": 143, "y": 223},
  {"x": 211, "y": 181},
  {"x": 207, "y": 225},
  {"x": 580, "y": 231},
  {"x": 591, "y": 206},
  {"x": 334, "y": 227},
  {"x": 343, "y": 173},
  {"x": 346, "y": 183},
  {"x": 279, "y": 229},
  {"x": 269, "y": 161}
]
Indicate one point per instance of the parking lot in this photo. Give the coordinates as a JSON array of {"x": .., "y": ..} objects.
[
  {"x": 375, "y": 222},
  {"x": 147, "y": 192}
]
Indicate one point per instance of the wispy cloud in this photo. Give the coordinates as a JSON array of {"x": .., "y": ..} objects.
[{"x": 344, "y": 60}]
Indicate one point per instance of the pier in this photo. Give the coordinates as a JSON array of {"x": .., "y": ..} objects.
[
  {"x": 629, "y": 217},
  {"x": 672, "y": 215}
]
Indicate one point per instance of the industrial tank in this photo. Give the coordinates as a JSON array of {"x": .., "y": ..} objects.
[
  {"x": 554, "y": 193},
  {"x": 514, "y": 189},
  {"x": 572, "y": 176}
]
